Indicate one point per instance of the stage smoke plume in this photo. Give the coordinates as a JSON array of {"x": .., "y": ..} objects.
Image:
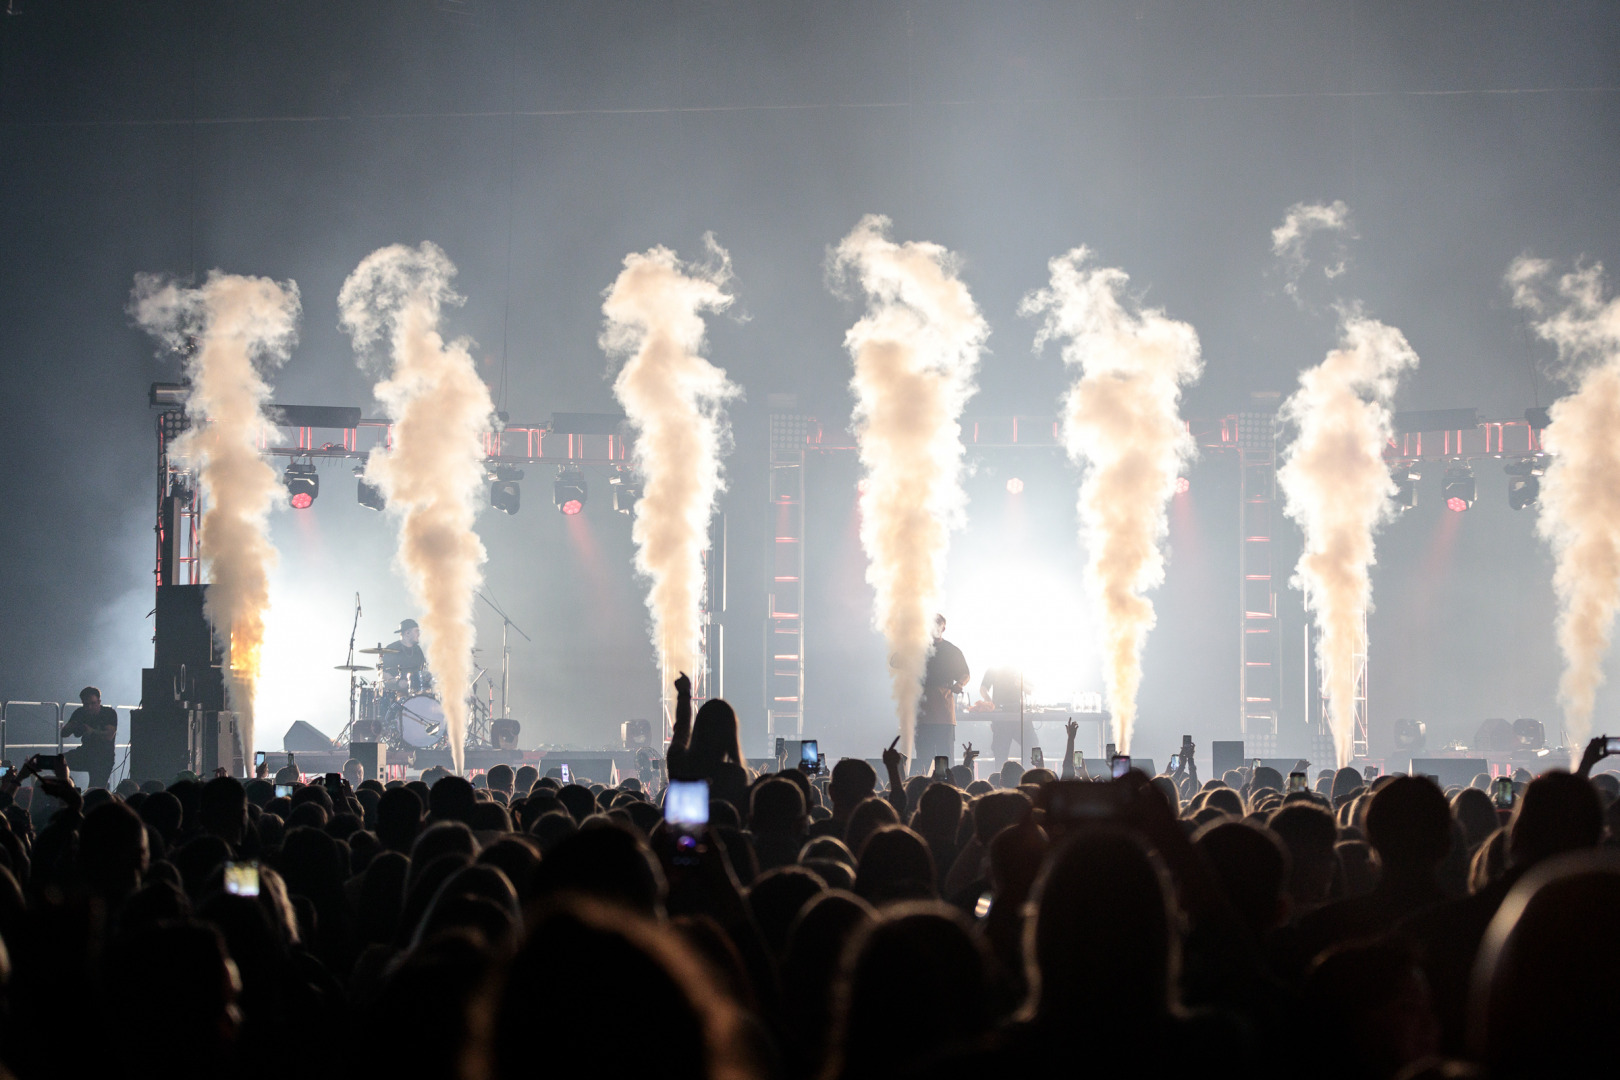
[
  {"x": 237, "y": 329},
  {"x": 1121, "y": 417},
  {"x": 433, "y": 474},
  {"x": 1337, "y": 486},
  {"x": 673, "y": 397},
  {"x": 1580, "y": 495},
  {"x": 915, "y": 355},
  {"x": 1302, "y": 223}
]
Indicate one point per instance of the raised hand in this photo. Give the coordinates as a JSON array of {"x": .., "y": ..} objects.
[
  {"x": 1596, "y": 751},
  {"x": 968, "y": 753},
  {"x": 1072, "y": 728},
  {"x": 683, "y": 685},
  {"x": 892, "y": 758}
]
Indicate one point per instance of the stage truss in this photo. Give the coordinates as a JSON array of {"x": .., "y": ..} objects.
[{"x": 1251, "y": 435}]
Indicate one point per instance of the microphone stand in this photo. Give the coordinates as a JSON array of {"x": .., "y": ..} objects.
[
  {"x": 506, "y": 654},
  {"x": 1023, "y": 736},
  {"x": 349, "y": 663}
]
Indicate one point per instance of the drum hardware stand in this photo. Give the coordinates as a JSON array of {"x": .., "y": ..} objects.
[
  {"x": 506, "y": 655},
  {"x": 478, "y": 715}
]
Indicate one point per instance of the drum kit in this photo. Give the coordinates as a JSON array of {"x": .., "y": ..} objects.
[{"x": 404, "y": 707}]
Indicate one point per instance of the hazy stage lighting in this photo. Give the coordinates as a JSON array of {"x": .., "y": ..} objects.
[
  {"x": 1406, "y": 479},
  {"x": 1459, "y": 488},
  {"x": 1410, "y": 734},
  {"x": 1183, "y": 485},
  {"x": 1524, "y": 483},
  {"x": 303, "y": 484},
  {"x": 1015, "y": 486},
  {"x": 626, "y": 490},
  {"x": 505, "y": 494},
  {"x": 368, "y": 495},
  {"x": 569, "y": 491}
]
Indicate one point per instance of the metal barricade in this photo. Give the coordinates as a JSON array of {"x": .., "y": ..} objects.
[{"x": 7, "y": 746}]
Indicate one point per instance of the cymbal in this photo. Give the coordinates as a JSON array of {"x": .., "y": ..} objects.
[
  {"x": 351, "y": 667},
  {"x": 379, "y": 651}
]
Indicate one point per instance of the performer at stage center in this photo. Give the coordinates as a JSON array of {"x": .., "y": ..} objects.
[
  {"x": 96, "y": 725},
  {"x": 407, "y": 659},
  {"x": 946, "y": 675},
  {"x": 1003, "y": 688}
]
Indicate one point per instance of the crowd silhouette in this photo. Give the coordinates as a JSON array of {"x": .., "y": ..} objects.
[{"x": 813, "y": 927}]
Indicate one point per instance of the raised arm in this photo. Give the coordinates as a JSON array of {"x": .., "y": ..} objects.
[
  {"x": 1596, "y": 751},
  {"x": 682, "y": 735},
  {"x": 1070, "y": 729},
  {"x": 894, "y": 762}
]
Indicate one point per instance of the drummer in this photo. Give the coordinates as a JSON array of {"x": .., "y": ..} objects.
[{"x": 404, "y": 663}]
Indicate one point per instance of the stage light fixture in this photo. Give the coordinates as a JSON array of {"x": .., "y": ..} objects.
[
  {"x": 1524, "y": 482},
  {"x": 1530, "y": 733},
  {"x": 367, "y": 494},
  {"x": 1410, "y": 734},
  {"x": 1459, "y": 489},
  {"x": 1406, "y": 478},
  {"x": 570, "y": 490},
  {"x": 505, "y": 494},
  {"x": 1015, "y": 486},
  {"x": 627, "y": 490},
  {"x": 1183, "y": 485},
  {"x": 303, "y": 484}
]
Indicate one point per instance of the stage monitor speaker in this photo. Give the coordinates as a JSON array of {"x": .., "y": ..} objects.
[
  {"x": 305, "y": 738},
  {"x": 1227, "y": 756},
  {"x": 372, "y": 756},
  {"x": 1450, "y": 772},
  {"x": 159, "y": 743}
]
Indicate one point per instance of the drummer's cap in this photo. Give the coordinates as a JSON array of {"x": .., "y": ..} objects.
[{"x": 408, "y": 624}]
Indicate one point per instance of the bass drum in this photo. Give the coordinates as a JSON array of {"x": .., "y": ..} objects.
[{"x": 421, "y": 721}]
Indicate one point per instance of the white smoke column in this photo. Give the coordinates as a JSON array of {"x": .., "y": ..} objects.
[
  {"x": 673, "y": 397},
  {"x": 1122, "y": 418},
  {"x": 1337, "y": 486},
  {"x": 1580, "y": 498},
  {"x": 915, "y": 355},
  {"x": 241, "y": 327},
  {"x": 433, "y": 474},
  {"x": 1303, "y": 222}
]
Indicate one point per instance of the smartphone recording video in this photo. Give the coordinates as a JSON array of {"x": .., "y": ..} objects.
[
  {"x": 1502, "y": 792},
  {"x": 1174, "y": 764},
  {"x": 284, "y": 791},
  {"x": 1037, "y": 758},
  {"x": 1298, "y": 783},
  {"x": 942, "y": 767},
  {"x": 258, "y": 759},
  {"x": 567, "y": 774},
  {"x": 1076, "y": 802},
  {"x": 242, "y": 878},
  {"x": 1611, "y": 745},
  {"x": 686, "y": 804},
  {"x": 1120, "y": 766},
  {"x": 809, "y": 756}
]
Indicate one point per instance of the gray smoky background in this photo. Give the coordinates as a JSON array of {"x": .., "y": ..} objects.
[{"x": 537, "y": 143}]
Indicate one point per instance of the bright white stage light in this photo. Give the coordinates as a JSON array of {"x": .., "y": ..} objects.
[{"x": 1027, "y": 614}]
